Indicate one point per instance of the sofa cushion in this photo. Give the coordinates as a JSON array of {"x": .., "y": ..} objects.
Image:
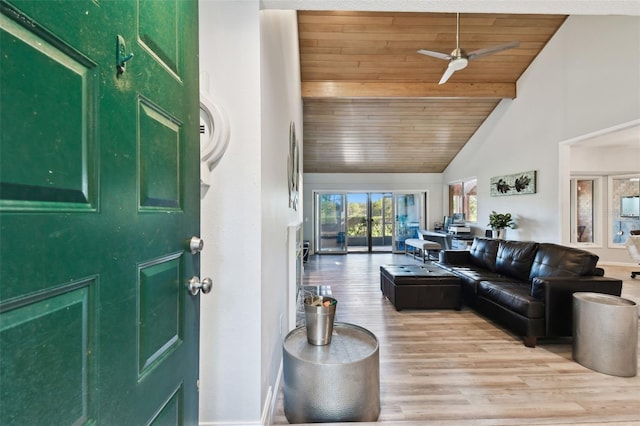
[
  {"x": 483, "y": 253},
  {"x": 515, "y": 296},
  {"x": 553, "y": 260},
  {"x": 515, "y": 258},
  {"x": 473, "y": 275}
]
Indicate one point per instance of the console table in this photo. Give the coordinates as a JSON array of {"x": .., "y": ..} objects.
[{"x": 338, "y": 382}]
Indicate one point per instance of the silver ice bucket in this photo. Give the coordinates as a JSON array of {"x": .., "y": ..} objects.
[{"x": 319, "y": 314}]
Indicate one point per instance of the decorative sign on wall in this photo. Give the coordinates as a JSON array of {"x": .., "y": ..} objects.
[{"x": 520, "y": 183}]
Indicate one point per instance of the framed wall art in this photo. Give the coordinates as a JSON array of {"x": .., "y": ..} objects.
[
  {"x": 293, "y": 167},
  {"x": 519, "y": 183}
]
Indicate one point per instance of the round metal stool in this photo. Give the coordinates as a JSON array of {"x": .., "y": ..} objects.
[
  {"x": 338, "y": 382},
  {"x": 605, "y": 333}
]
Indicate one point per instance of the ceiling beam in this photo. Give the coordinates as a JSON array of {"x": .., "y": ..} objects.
[{"x": 347, "y": 89}]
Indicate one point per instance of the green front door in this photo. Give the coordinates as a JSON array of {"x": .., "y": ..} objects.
[{"x": 99, "y": 196}]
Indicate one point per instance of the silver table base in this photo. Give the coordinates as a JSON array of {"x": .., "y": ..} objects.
[
  {"x": 338, "y": 382},
  {"x": 605, "y": 333}
]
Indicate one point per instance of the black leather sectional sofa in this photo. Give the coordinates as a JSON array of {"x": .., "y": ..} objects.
[{"x": 527, "y": 286}]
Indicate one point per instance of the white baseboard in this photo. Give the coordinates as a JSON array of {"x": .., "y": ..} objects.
[
  {"x": 267, "y": 413},
  {"x": 271, "y": 400}
]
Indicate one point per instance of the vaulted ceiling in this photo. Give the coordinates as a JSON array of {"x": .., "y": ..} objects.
[{"x": 372, "y": 104}]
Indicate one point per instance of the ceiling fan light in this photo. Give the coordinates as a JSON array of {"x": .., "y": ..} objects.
[{"x": 458, "y": 63}]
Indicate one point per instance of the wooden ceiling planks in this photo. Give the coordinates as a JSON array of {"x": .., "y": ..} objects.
[
  {"x": 388, "y": 135},
  {"x": 372, "y": 103}
]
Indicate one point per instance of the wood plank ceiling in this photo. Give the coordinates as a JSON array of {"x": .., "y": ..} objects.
[{"x": 372, "y": 104}]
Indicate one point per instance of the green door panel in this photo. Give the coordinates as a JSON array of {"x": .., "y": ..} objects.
[
  {"x": 99, "y": 196},
  {"x": 53, "y": 335},
  {"x": 52, "y": 103}
]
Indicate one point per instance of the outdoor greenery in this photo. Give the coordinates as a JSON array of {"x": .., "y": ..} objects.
[
  {"x": 472, "y": 214},
  {"x": 357, "y": 223},
  {"x": 357, "y": 213}
]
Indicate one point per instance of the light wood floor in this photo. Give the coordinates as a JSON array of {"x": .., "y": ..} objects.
[{"x": 447, "y": 367}]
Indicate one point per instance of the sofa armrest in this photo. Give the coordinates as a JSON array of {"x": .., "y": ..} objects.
[
  {"x": 455, "y": 257},
  {"x": 557, "y": 293}
]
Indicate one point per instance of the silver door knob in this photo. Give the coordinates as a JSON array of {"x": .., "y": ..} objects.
[
  {"x": 195, "y": 286},
  {"x": 196, "y": 245}
]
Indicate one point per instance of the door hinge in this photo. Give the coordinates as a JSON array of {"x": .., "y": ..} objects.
[{"x": 198, "y": 385}]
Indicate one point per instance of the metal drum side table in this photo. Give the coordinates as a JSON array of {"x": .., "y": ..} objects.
[
  {"x": 605, "y": 333},
  {"x": 338, "y": 382}
]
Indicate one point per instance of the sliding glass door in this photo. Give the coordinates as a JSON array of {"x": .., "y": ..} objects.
[
  {"x": 369, "y": 222},
  {"x": 331, "y": 223},
  {"x": 381, "y": 221},
  {"x": 354, "y": 222},
  {"x": 407, "y": 221},
  {"x": 358, "y": 221}
]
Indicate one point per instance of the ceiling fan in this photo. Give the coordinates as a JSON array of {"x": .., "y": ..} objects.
[{"x": 458, "y": 58}]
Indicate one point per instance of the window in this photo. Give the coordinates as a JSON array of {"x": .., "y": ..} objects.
[
  {"x": 593, "y": 221},
  {"x": 624, "y": 206},
  {"x": 463, "y": 199},
  {"x": 585, "y": 202},
  {"x": 455, "y": 198}
]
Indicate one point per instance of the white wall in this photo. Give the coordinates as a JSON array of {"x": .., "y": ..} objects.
[
  {"x": 230, "y": 351},
  {"x": 281, "y": 105},
  {"x": 568, "y": 91},
  {"x": 607, "y": 160},
  {"x": 368, "y": 182},
  {"x": 251, "y": 61}
]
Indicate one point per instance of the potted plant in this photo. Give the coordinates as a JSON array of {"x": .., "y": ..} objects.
[{"x": 499, "y": 222}]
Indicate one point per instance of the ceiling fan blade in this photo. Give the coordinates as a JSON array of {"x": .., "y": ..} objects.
[
  {"x": 447, "y": 73},
  {"x": 438, "y": 55},
  {"x": 490, "y": 50}
]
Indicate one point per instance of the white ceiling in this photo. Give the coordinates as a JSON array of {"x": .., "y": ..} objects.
[{"x": 561, "y": 7}]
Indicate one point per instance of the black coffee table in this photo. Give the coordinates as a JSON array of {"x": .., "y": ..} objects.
[{"x": 424, "y": 286}]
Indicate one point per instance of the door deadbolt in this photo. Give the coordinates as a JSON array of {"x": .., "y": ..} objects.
[{"x": 196, "y": 245}]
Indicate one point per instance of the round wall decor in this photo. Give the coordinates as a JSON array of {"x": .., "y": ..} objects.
[{"x": 214, "y": 132}]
